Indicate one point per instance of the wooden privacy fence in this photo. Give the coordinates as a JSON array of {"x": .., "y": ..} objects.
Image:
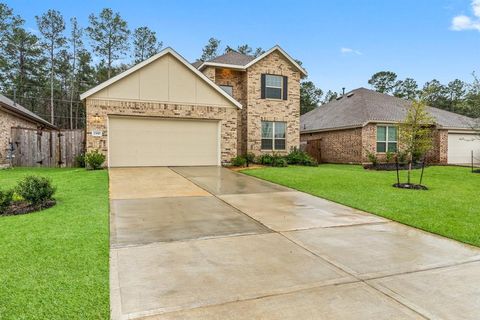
[{"x": 46, "y": 148}]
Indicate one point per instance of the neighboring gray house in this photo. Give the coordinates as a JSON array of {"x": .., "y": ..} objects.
[{"x": 345, "y": 130}]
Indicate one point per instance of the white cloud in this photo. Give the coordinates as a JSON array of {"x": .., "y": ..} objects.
[
  {"x": 476, "y": 7},
  {"x": 463, "y": 22},
  {"x": 346, "y": 51}
]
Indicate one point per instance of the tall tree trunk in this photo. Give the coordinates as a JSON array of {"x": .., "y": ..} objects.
[
  {"x": 72, "y": 84},
  {"x": 52, "y": 113}
]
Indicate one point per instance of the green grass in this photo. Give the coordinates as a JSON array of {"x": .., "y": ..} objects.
[
  {"x": 450, "y": 207},
  {"x": 54, "y": 263}
]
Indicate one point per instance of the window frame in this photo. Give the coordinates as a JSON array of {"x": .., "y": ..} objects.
[
  {"x": 273, "y": 138},
  {"x": 226, "y": 85},
  {"x": 387, "y": 140},
  {"x": 267, "y": 86}
]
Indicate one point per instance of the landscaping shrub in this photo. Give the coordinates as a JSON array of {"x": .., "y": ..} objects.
[
  {"x": 6, "y": 198},
  {"x": 389, "y": 156},
  {"x": 402, "y": 157},
  {"x": 80, "y": 161},
  {"x": 279, "y": 162},
  {"x": 238, "y": 161},
  {"x": 36, "y": 190},
  {"x": 299, "y": 157},
  {"x": 94, "y": 160},
  {"x": 250, "y": 158},
  {"x": 265, "y": 159},
  {"x": 372, "y": 157}
]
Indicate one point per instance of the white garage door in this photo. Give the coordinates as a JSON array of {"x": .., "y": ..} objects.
[
  {"x": 460, "y": 146},
  {"x": 135, "y": 142}
]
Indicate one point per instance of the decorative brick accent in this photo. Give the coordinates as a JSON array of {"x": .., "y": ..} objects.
[
  {"x": 98, "y": 111},
  {"x": 7, "y": 121}
]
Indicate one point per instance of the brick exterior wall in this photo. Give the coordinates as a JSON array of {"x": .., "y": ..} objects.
[
  {"x": 236, "y": 79},
  {"x": 210, "y": 73},
  {"x": 7, "y": 121},
  {"x": 339, "y": 146},
  {"x": 259, "y": 110},
  {"x": 353, "y": 145},
  {"x": 103, "y": 108},
  {"x": 247, "y": 90}
]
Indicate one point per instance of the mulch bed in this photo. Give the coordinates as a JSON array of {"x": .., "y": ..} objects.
[
  {"x": 23, "y": 207},
  {"x": 410, "y": 186},
  {"x": 390, "y": 166}
]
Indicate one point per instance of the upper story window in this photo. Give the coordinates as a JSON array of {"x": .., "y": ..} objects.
[
  {"x": 227, "y": 89},
  {"x": 386, "y": 139},
  {"x": 274, "y": 87}
]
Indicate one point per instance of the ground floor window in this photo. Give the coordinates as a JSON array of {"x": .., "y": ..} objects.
[
  {"x": 273, "y": 135},
  {"x": 386, "y": 139}
]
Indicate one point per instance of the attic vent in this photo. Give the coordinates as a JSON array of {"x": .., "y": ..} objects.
[
  {"x": 350, "y": 94},
  {"x": 340, "y": 97}
]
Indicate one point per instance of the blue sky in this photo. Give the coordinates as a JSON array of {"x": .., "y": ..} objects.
[{"x": 414, "y": 38}]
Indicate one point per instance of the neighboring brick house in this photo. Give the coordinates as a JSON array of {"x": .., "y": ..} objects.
[
  {"x": 363, "y": 121},
  {"x": 168, "y": 112},
  {"x": 13, "y": 115}
]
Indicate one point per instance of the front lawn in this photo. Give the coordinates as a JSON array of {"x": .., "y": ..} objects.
[
  {"x": 450, "y": 208},
  {"x": 54, "y": 263}
]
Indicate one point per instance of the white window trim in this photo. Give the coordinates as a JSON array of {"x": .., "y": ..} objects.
[
  {"x": 280, "y": 87},
  {"x": 386, "y": 141},
  {"x": 273, "y": 137}
]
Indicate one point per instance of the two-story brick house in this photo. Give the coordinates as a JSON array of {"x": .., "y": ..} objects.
[
  {"x": 168, "y": 112},
  {"x": 268, "y": 87}
]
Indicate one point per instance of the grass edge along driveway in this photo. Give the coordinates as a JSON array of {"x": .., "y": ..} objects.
[
  {"x": 54, "y": 263},
  {"x": 449, "y": 208}
]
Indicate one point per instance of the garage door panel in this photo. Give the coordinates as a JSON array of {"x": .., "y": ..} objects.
[
  {"x": 460, "y": 147},
  {"x": 162, "y": 142}
]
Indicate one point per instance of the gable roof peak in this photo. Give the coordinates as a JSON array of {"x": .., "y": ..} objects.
[{"x": 153, "y": 58}]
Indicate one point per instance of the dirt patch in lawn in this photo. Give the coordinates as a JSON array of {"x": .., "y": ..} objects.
[
  {"x": 23, "y": 207},
  {"x": 410, "y": 186}
]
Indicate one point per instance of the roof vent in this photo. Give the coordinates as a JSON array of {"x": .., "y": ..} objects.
[
  {"x": 350, "y": 94},
  {"x": 339, "y": 97}
]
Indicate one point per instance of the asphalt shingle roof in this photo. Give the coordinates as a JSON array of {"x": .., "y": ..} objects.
[
  {"x": 361, "y": 106},
  {"x": 233, "y": 57},
  {"x": 15, "y": 107}
]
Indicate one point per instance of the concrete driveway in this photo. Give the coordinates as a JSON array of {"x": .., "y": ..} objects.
[{"x": 208, "y": 243}]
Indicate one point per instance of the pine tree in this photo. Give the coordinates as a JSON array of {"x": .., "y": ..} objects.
[
  {"x": 51, "y": 25},
  {"x": 210, "y": 51},
  {"x": 145, "y": 44},
  {"x": 109, "y": 35},
  {"x": 76, "y": 45}
]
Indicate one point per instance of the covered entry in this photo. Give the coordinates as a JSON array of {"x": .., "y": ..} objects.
[{"x": 153, "y": 141}]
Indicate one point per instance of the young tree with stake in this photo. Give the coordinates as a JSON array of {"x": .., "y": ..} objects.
[{"x": 415, "y": 133}]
